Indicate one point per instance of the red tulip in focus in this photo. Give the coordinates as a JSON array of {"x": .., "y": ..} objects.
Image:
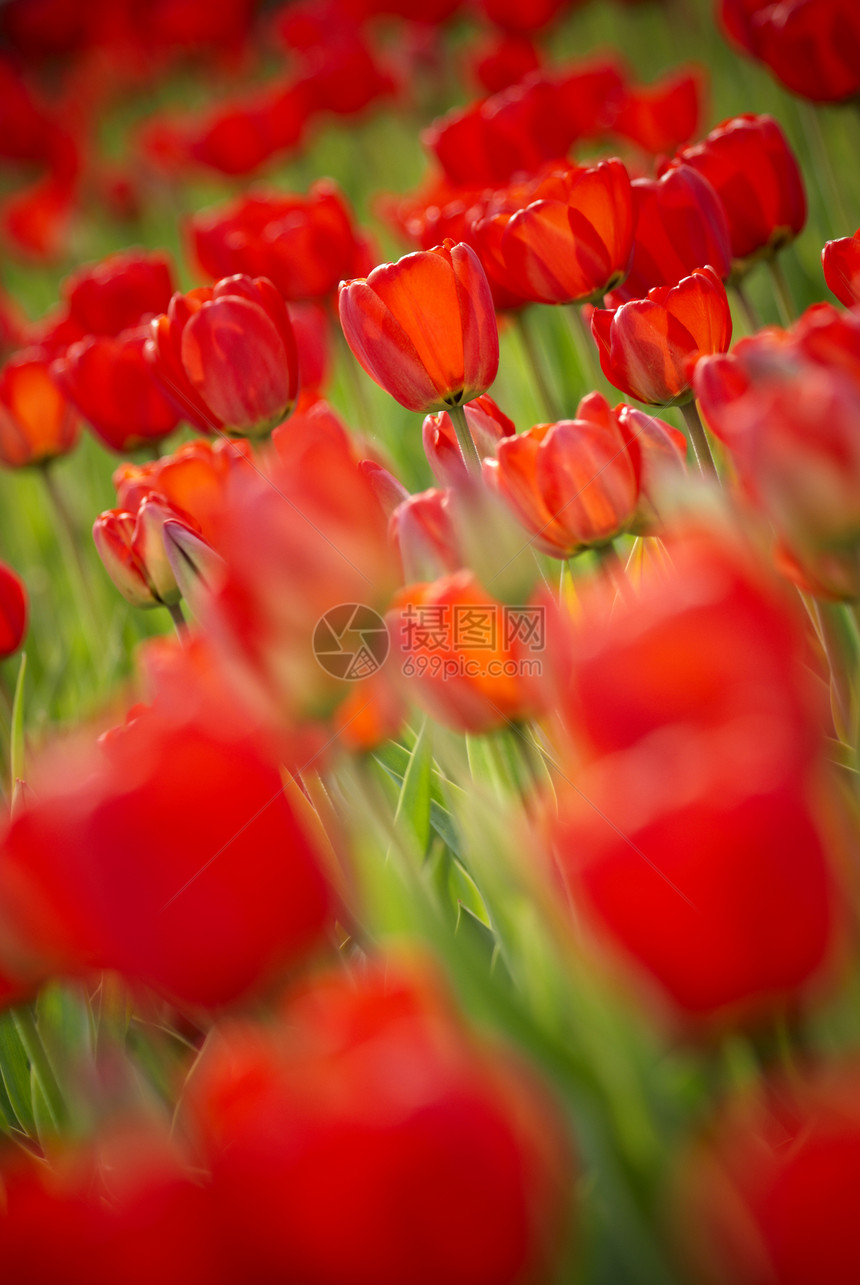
[
  {"x": 469, "y": 660},
  {"x": 699, "y": 858},
  {"x": 750, "y": 165},
  {"x": 120, "y": 292},
  {"x": 649, "y": 347},
  {"x": 13, "y": 611},
  {"x": 226, "y": 356},
  {"x": 565, "y": 238},
  {"x": 373, "y": 1111},
  {"x": 218, "y": 890},
  {"x": 488, "y": 426},
  {"x": 841, "y": 262},
  {"x": 659, "y": 117},
  {"x": 771, "y": 1196},
  {"x": 108, "y": 379},
  {"x": 579, "y": 483},
  {"x": 127, "y": 1206},
  {"x": 304, "y": 244},
  {"x": 36, "y": 421},
  {"x": 424, "y": 328},
  {"x": 680, "y": 225}
]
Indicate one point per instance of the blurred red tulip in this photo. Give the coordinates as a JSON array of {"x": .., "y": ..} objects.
[
  {"x": 516, "y": 15},
  {"x": 750, "y": 165},
  {"x": 680, "y": 225},
  {"x": 226, "y": 356},
  {"x": 841, "y": 262},
  {"x": 36, "y": 220},
  {"x": 126, "y": 1205},
  {"x": 13, "y": 611},
  {"x": 422, "y": 532},
  {"x": 218, "y": 890},
  {"x": 424, "y": 328},
  {"x": 110, "y": 382},
  {"x": 660, "y": 117},
  {"x": 503, "y": 61},
  {"x": 304, "y": 244},
  {"x": 36, "y": 421},
  {"x": 566, "y": 237},
  {"x": 488, "y": 426},
  {"x": 770, "y": 1194},
  {"x": 811, "y": 46},
  {"x": 460, "y": 656},
  {"x": 119, "y": 292},
  {"x": 649, "y": 347},
  {"x": 372, "y": 1108}
]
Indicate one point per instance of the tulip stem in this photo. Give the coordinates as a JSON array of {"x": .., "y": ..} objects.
[
  {"x": 751, "y": 317},
  {"x": 584, "y": 343},
  {"x": 699, "y": 442},
  {"x": 468, "y": 449},
  {"x": 782, "y": 291},
  {"x": 179, "y": 620},
  {"x": 534, "y": 359}
]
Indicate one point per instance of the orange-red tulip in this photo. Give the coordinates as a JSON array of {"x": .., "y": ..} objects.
[
  {"x": 424, "y": 328},
  {"x": 649, "y": 347},
  {"x": 37, "y": 423}
]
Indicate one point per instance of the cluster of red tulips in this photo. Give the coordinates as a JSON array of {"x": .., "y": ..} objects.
[{"x": 464, "y": 890}]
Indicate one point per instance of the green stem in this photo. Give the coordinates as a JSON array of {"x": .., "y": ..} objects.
[
  {"x": 534, "y": 359},
  {"x": 784, "y": 301},
  {"x": 584, "y": 343},
  {"x": 699, "y": 442},
  {"x": 25, "y": 1024},
  {"x": 751, "y": 317},
  {"x": 468, "y": 449},
  {"x": 179, "y": 621}
]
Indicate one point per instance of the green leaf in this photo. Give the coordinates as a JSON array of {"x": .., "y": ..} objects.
[
  {"x": 15, "y": 1072},
  {"x": 413, "y": 805}
]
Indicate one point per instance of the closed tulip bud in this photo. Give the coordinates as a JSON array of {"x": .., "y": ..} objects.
[
  {"x": 37, "y": 422},
  {"x": 196, "y": 567},
  {"x": 811, "y": 47},
  {"x": 649, "y": 347},
  {"x": 13, "y": 611},
  {"x": 488, "y": 427},
  {"x": 424, "y": 328},
  {"x": 108, "y": 379},
  {"x": 226, "y": 356},
  {"x": 750, "y": 165},
  {"x": 132, "y": 548},
  {"x": 841, "y": 262}
]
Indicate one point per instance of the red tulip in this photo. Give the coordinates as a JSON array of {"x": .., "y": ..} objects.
[
  {"x": 36, "y": 421},
  {"x": 424, "y": 536},
  {"x": 126, "y": 1205},
  {"x": 119, "y": 292},
  {"x": 503, "y": 61},
  {"x": 370, "y": 1108},
  {"x": 424, "y": 328},
  {"x": 812, "y": 47},
  {"x": 460, "y": 656},
  {"x": 13, "y": 611},
  {"x": 662, "y": 116},
  {"x": 579, "y": 483},
  {"x": 750, "y": 165},
  {"x": 131, "y": 546},
  {"x": 568, "y": 237},
  {"x": 680, "y": 225},
  {"x": 110, "y": 382},
  {"x": 305, "y": 245},
  {"x": 770, "y": 1195},
  {"x": 227, "y": 356},
  {"x": 514, "y": 15},
  {"x": 841, "y": 262},
  {"x": 218, "y": 890},
  {"x": 488, "y": 426},
  {"x": 649, "y": 347}
]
